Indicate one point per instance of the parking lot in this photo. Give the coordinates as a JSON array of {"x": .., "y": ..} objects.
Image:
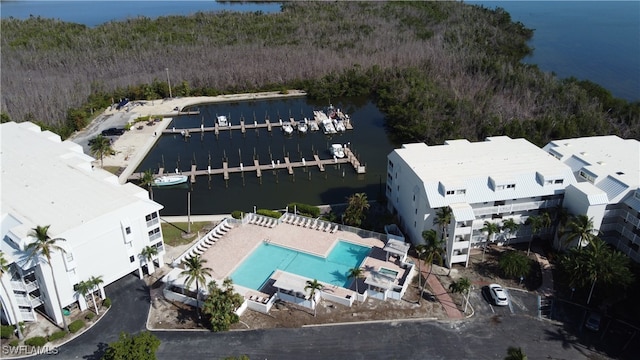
[{"x": 520, "y": 303}]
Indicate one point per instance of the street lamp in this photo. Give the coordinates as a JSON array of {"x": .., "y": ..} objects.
[{"x": 168, "y": 82}]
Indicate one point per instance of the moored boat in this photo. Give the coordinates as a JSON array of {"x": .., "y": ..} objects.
[
  {"x": 337, "y": 151},
  {"x": 302, "y": 127},
  {"x": 287, "y": 128},
  {"x": 223, "y": 121},
  {"x": 168, "y": 180}
]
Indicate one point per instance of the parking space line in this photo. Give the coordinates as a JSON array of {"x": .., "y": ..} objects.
[{"x": 509, "y": 301}]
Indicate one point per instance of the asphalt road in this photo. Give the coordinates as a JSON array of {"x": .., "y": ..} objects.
[{"x": 482, "y": 337}]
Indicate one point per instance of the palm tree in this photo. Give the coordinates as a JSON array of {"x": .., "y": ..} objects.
[
  {"x": 443, "y": 218},
  {"x": 434, "y": 249},
  {"x": 537, "y": 223},
  {"x": 44, "y": 245},
  {"x": 195, "y": 271},
  {"x": 460, "y": 286},
  {"x": 515, "y": 353},
  {"x": 421, "y": 253},
  {"x": 148, "y": 181},
  {"x": 489, "y": 228},
  {"x": 4, "y": 269},
  {"x": 101, "y": 147},
  {"x": 511, "y": 226},
  {"x": 83, "y": 288},
  {"x": 579, "y": 227},
  {"x": 357, "y": 206},
  {"x": 95, "y": 282},
  {"x": 147, "y": 254},
  {"x": 356, "y": 273},
  {"x": 313, "y": 286}
]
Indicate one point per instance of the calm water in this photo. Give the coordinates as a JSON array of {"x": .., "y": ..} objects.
[
  {"x": 93, "y": 13},
  {"x": 594, "y": 40},
  {"x": 275, "y": 189},
  {"x": 267, "y": 258}
]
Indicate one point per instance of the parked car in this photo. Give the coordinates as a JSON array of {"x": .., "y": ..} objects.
[
  {"x": 593, "y": 321},
  {"x": 498, "y": 295},
  {"x": 112, "y": 132}
]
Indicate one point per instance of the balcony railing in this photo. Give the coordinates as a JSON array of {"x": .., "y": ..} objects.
[
  {"x": 460, "y": 245},
  {"x": 152, "y": 222},
  {"x": 501, "y": 209},
  {"x": 27, "y": 315},
  {"x": 155, "y": 236}
]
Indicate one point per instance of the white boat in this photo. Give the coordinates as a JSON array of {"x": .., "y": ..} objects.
[
  {"x": 337, "y": 150},
  {"x": 303, "y": 127},
  {"x": 222, "y": 121},
  {"x": 339, "y": 125},
  {"x": 168, "y": 180},
  {"x": 287, "y": 128}
]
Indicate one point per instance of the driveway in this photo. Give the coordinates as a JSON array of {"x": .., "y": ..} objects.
[{"x": 520, "y": 303}]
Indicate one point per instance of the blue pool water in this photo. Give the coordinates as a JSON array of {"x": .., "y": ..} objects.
[{"x": 267, "y": 258}]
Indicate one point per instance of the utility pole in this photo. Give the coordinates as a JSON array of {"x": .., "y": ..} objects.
[{"x": 168, "y": 82}]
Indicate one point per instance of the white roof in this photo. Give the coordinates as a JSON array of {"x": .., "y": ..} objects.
[
  {"x": 477, "y": 167},
  {"x": 49, "y": 182},
  {"x": 613, "y": 162},
  {"x": 396, "y": 247},
  {"x": 291, "y": 282}
]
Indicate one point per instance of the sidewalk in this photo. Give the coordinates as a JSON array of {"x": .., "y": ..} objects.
[
  {"x": 546, "y": 289},
  {"x": 443, "y": 296}
]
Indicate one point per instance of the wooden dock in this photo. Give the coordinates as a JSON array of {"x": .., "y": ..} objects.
[
  {"x": 258, "y": 168},
  {"x": 243, "y": 126}
]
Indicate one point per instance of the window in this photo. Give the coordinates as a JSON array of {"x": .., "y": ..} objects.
[
  {"x": 461, "y": 192},
  {"x": 416, "y": 211},
  {"x": 390, "y": 164},
  {"x": 450, "y": 192},
  {"x": 128, "y": 230},
  {"x": 511, "y": 186},
  {"x": 132, "y": 258},
  {"x": 414, "y": 197},
  {"x": 154, "y": 234},
  {"x": 389, "y": 177},
  {"x": 558, "y": 181},
  {"x": 69, "y": 256},
  {"x": 152, "y": 219},
  {"x": 590, "y": 178}
]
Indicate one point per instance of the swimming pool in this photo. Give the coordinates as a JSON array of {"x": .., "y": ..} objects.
[{"x": 267, "y": 258}]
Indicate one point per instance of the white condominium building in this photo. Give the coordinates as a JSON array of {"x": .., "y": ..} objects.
[
  {"x": 607, "y": 169},
  {"x": 492, "y": 180},
  {"x": 105, "y": 225}
]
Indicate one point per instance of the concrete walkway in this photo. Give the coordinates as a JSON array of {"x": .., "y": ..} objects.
[
  {"x": 546, "y": 289},
  {"x": 442, "y": 295}
]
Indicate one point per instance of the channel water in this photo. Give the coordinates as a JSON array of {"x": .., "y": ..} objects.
[{"x": 275, "y": 188}]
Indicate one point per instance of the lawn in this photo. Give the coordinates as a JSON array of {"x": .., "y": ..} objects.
[{"x": 176, "y": 233}]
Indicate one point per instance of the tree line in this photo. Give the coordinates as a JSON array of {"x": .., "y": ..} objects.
[{"x": 437, "y": 70}]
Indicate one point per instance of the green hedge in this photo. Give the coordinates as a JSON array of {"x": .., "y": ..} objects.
[
  {"x": 75, "y": 326},
  {"x": 269, "y": 213},
  {"x": 106, "y": 303},
  {"x": 6, "y": 331},
  {"x": 305, "y": 209},
  {"x": 57, "y": 335},
  {"x": 36, "y": 341},
  {"x": 236, "y": 214},
  {"x": 14, "y": 342},
  {"x": 90, "y": 316}
]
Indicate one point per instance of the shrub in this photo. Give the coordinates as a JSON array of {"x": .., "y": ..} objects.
[
  {"x": 304, "y": 209},
  {"x": 106, "y": 303},
  {"x": 90, "y": 316},
  {"x": 14, "y": 342},
  {"x": 6, "y": 331},
  {"x": 514, "y": 264},
  {"x": 269, "y": 213},
  {"x": 57, "y": 335},
  {"x": 76, "y": 325},
  {"x": 36, "y": 341},
  {"x": 236, "y": 214}
]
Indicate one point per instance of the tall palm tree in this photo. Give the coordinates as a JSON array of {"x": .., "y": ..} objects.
[
  {"x": 44, "y": 246},
  {"x": 95, "y": 282},
  {"x": 147, "y": 254},
  {"x": 579, "y": 227},
  {"x": 443, "y": 218},
  {"x": 511, "y": 226},
  {"x": 489, "y": 228},
  {"x": 537, "y": 223},
  {"x": 83, "y": 288},
  {"x": 356, "y": 273},
  {"x": 313, "y": 286},
  {"x": 421, "y": 253},
  {"x": 4, "y": 269},
  {"x": 434, "y": 249},
  {"x": 357, "y": 206},
  {"x": 196, "y": 271},
  {"x": 148, "y": 181},
  {"x": 515, "y": 353},
  {"x": 101, "y": 147}
]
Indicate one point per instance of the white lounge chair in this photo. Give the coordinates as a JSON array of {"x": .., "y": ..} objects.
[
  {"x": 274, "y": 223},
  {"x": 320, "y": 226},
  {"x": 334, "y": 229},
  {"x": 328, "y": 227}
]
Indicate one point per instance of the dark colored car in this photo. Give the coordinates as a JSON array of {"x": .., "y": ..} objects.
[
  {"x": 112, "y": 132},
  {"x": 593, "y": 321}
]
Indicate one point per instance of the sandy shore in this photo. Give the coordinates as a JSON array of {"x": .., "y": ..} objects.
[{"x": 132, "y": 147}]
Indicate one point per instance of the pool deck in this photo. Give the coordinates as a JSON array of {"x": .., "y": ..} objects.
[{"x": 238, "y": 243}]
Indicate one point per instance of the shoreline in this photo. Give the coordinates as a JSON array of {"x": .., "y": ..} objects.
[{"x": 133, "y": 146}]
